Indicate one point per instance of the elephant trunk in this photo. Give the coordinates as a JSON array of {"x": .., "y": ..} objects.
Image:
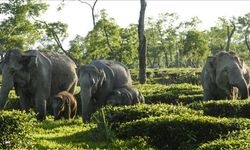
[
  {"x": 242, "y": 86},
  {"x": 236, "y": 79},
  {"x": 86, "y": 106}
]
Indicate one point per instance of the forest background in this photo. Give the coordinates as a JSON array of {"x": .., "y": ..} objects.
[{"x": 172, "y": 40}]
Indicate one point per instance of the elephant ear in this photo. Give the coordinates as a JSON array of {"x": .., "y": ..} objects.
[
  {"x": 91, "y": 70},
  {"x": 30, "y": 61},
  {"x": 12, "y": 59},
  {"x": 116, "y": 92},
  {"x": 211, "y": 67},
  {"x": 102, "y": 77}
]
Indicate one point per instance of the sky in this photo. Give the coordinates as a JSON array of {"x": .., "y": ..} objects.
[
  {"x": 78, "y": 15},
  {"x": 79, "y": 19}
]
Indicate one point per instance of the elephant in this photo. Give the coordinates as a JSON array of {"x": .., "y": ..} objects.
[
  {"x": 125, "y": 96},
  {"x": 36, "y": 76},
  {"x": 224, "y": 76},
  {"x": 64, "y": 105},
  {"x": 97, "y": 80}
]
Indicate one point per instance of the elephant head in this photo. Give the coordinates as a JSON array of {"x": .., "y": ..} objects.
[
  {"x": 226, "y": 71},
  {"x": 58, "y": 105},
  {"x": 120, "y": 97},
  {"x": 91, "y": 78},
  {"x": 15, "y": 69}
]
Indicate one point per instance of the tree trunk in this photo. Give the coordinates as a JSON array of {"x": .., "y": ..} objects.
[
  {"x": 142, "y": 49},
  {"x": 229, "y": 35},
  {"x": 246, "y": 39}
]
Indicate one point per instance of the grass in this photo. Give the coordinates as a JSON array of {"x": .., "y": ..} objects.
[
  {"x": 73, "y": 134},
  {"x": 65, "y": 134}
]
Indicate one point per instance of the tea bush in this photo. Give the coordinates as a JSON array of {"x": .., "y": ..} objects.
[
  {"x": 15, "y": 129},
  {"x": 239, "y": 140},
  {"x": 224, "y": 108},
  {"x": 171, "y": 94},
  {"x": 13, "y": 102},
  {"x": 117, "y": 115},
  {"x": 180, "y": 132},
  {"x": 170, "y": 75}
]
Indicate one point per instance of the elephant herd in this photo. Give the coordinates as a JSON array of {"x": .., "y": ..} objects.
[{"x": 47, "y": 82}]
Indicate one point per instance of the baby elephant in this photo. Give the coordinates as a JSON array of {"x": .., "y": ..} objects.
[
  {"x": 64, "y": 105},
  {"x": 125, "y": 96}
]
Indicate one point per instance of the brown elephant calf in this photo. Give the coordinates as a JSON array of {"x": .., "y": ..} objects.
[
  {"x": 64, "y": 105},
  {"x": 125, "y": 96}
]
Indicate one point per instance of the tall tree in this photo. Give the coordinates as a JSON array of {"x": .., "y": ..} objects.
[
  {"x": 142, "y": 49},
  {"x": 244, "y": 24},
  {"x": 17, "y": 30},
  {"x": 106, "y": 34},
  {"x": 195, "y": 48},
  {"x": 230, "y": 33}
]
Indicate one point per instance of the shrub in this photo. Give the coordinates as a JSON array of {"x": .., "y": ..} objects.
[
  {"x": 224, "y": 108},
  {"x": 117, "y": 115},
  {"x": 239, "y": 140},
  {"x": 170, "y": 75},
  {"x": 15, "y": 129},
  {"x": 171, "y": 94},
  {"x": 13, "y": 102},
  {"x": 180, "y": 132}
]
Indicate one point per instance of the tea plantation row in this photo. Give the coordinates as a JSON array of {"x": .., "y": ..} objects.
[{"x": 175, "y": 117}]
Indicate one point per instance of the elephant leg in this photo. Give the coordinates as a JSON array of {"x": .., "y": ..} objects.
[
  {"x": 40, "y": 103},
  {"x": 25, "y": 103},
  {"x": 73, "y": 114},
  {"x": 208, "y": 95},
  {"x": 67, "y": 112}
]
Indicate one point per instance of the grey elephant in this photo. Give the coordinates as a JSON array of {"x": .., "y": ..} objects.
[
  {"x": 36, "y": 77},
  {"x": 97, "y": 80},
  {"x": 125, "y": 96},
  {"x": 223, "y": 76},
  {"x": 64, "y": 105}
]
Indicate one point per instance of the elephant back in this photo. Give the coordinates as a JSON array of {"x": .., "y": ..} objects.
[
  {"x": 120, "y": 73},
  {"x": 63, "y": 72}
]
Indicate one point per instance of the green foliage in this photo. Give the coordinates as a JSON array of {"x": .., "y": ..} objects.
[
  {"x": 48, "y": 32},
  {"x": 73, "y": 134},
  {"x": 116, "y": 115},
  {"x": 224, "y": 108},
  {"x": 15, "y": 129},
  {"x": 16, "y": 29},
  {"x": 180, "y": 132},
  {"x": 236, "y": 140},
  {"x": 13, "y": 102},
  {"x": 195, "y": 48},
  {"x": 171, "y": 94},
  {"x": 110, "y": 41},
  {"x": 170, "y": 75},
  {"x": 77, "y": 49}
]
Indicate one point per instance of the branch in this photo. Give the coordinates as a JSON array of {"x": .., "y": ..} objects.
[
  {"x": 107, "y": 40},
  {"x": 246, "y": 39},
  {"x": 57, "y": 40},
  {"x": 92, "y": 9},
  {"x": 229, "y": 36}
]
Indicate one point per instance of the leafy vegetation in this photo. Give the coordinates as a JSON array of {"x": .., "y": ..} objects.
[
  {"x": 16, "y": 129},
  {"x": 171, "y": 94},
  {"x": 114, "y": 116},
  {"x": 180, "y": 132},
  {"x": 170, "y": 75},
  {"x": 236, "y": 140},
  {"x": 224, "y": 108}
]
